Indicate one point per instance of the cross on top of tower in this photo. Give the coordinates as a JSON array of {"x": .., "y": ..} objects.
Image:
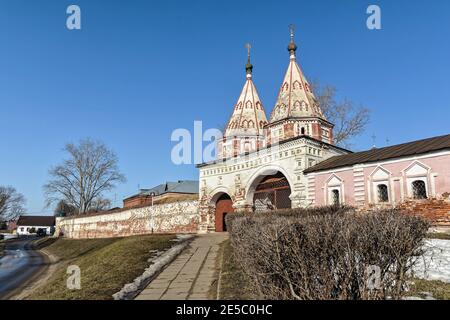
[
  {"x": 248, "y": 46},
  {"x": 292, "y": 47},
  {"x": 292, "y": 31},
  {"x": 248, "y": 66}
]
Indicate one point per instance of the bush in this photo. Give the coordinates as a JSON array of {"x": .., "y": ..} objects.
[{"x": 327, "y": 253}]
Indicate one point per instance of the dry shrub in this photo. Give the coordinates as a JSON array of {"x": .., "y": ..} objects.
[{"x": 327, "y": 253}]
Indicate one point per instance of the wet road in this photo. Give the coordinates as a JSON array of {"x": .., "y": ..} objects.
[{"x": 19, "y": 265}]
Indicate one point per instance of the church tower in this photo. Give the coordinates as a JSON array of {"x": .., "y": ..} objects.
[
  {"x": 297, "y": 112},
  {"x": 244, "y": 132}
]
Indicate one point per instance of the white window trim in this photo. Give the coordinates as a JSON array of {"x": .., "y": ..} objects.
[
  {"x": 409, "y": 182},
  {"x": 410, "y": 178},
  {"x": 374, "y": 183},
  {"x": 375, "y": 191},
  {"x": 335, "y": 186}
]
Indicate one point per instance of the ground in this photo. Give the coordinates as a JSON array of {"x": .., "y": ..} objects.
[
  {"x": 422, "y": 288},
  {"x": 191, "y": 275},
  {"x": 233, "y": 280},
  {"x": 106, "y": 264}
]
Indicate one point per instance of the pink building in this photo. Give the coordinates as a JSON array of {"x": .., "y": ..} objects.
[{"x": 389, "y": 176}]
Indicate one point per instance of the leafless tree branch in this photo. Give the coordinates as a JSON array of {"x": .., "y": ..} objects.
[
  {"x": 81, "y": 180},
  {"x": 349, "y": 120},
  {"x": 11, "y": 203}
]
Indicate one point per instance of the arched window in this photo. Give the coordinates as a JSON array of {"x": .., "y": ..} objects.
[
  {"x": 383, "y": 195},
  {"x": 419, "y": 189},
  {"x": 335, "y": 197}
]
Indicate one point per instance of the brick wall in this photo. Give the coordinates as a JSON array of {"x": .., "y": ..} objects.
[
  {"x": 176, "y": 217},
  {"x": 437, "y": 211}
]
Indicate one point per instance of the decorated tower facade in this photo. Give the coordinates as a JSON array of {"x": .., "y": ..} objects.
[
  {"x": 244, "y": 132},
  {"x": 297, "y": 111}
]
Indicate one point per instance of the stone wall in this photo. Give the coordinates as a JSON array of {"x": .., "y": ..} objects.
[
  {"x": 437, "y": 211},
  {"x": 176, "y": 217}
]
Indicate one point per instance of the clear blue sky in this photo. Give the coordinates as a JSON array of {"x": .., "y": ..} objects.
[{"x": 140, "y": 69}]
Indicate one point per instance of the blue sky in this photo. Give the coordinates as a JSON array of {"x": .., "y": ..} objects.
[{"x": 140, "y": 69}]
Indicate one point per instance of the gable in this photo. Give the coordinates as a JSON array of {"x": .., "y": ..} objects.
[
  {"x": 416, "y": 169},
  {"x": 380, "y": 174},
  {"x": 334, "y": 181}
]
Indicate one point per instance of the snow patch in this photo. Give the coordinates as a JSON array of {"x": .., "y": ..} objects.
[
  {"x": 158, "y": 261},
  {"x": 435, "y": 263}
]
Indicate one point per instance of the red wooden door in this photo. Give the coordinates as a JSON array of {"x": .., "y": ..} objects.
[{"x": 223, "y": 206}]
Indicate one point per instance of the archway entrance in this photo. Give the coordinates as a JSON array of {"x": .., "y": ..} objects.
[
  {"x": 224, "y": 205},
  {"x": 272, "y": 193}
]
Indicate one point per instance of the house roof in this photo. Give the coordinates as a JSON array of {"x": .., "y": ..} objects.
[
  {"x": 36, "y": 221},
  {"x": 180, "y": 186},
  {"x": 379, "y": 154}
]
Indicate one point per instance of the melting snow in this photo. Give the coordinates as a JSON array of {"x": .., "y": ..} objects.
[{"x": 435, "y": 265}]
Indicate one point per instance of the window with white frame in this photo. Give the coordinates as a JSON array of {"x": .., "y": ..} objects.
[
  {"x": 417, "y": 181},
  {"x": 335, "y": 190},
  {"x": 380, "y": 186}
]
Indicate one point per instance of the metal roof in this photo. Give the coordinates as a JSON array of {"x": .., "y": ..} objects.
[
  {"x": 36, "y": 221},
  {"x": 379, "y": 154},
  {"x": 180, "y": 186}
]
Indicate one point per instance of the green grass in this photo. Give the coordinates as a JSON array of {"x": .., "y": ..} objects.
[
  {"x": 439, "y": 289},
  {"x": 106, "y": 265},
  {"x": 233, "y": 283},
  {"x": 438, "y": 235}
]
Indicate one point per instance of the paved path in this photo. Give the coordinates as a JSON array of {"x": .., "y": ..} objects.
[
  {"x": 20, "y": 264},
  {"x": 190, "y": 275}
]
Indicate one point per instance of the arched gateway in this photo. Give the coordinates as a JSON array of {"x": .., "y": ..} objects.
[
  {"x": 260, "y": 162},
  {"x": 272, "y": 193}
]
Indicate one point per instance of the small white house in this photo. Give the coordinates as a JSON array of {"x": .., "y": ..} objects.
[{"x": 27, "y": 225}]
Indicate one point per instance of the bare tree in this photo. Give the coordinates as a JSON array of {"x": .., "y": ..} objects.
[
  {"x": 64, "y": 208},
  {"x": 90, "y": 170},
  {"x": 349, "y": 120},
  {"x": 100, "y": 204},
  {"x": 11, "y": 203}
]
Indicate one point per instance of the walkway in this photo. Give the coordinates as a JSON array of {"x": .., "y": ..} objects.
[{"x": 190, "y": 275}]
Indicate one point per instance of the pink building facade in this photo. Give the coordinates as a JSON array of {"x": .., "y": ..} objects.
[{"x": 384, "y": 179}]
